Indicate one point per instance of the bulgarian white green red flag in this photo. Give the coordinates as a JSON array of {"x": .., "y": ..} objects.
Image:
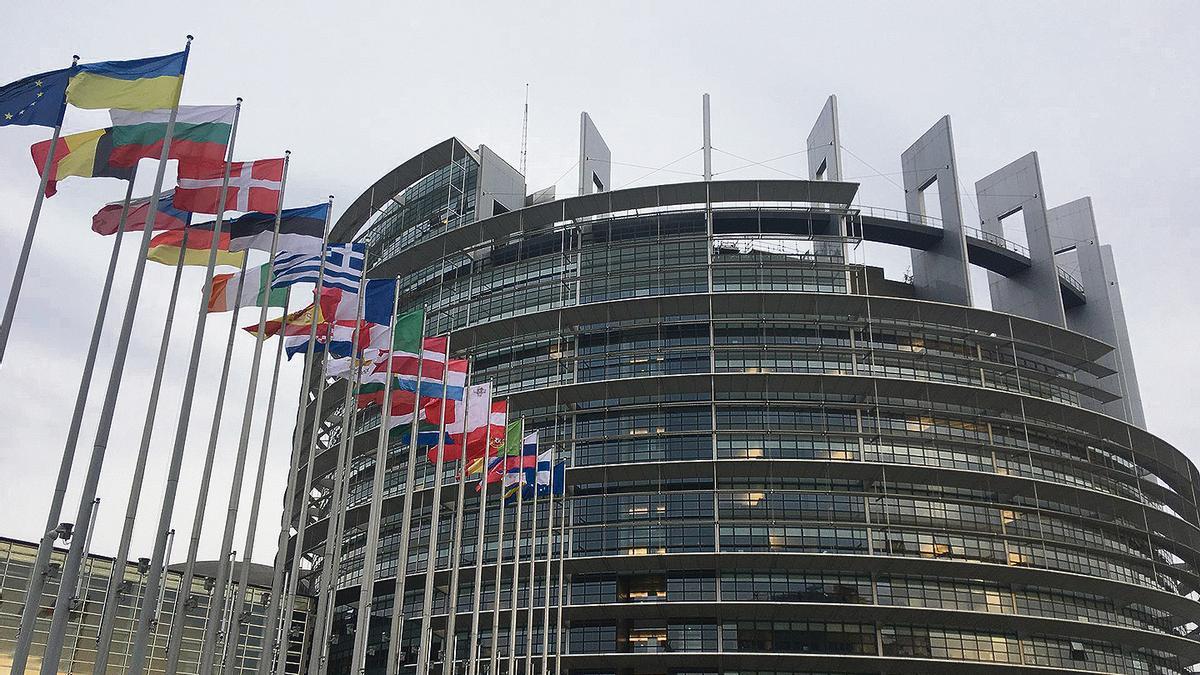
[
  {"x": 201, "y": 134},
  {"x": 255, "y": 291}
]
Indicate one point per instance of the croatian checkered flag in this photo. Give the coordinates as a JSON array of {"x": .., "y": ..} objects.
[{"x": 343, "y": 267}]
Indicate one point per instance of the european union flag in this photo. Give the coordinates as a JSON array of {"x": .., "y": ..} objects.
[{"x": 37, "y": 100}]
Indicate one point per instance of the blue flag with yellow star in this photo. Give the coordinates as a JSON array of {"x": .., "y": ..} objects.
[{"x": 38, "y": 100}]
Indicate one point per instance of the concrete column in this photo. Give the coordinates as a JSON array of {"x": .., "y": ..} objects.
[
  {"x": 1127, "y": 371},
  {"x": 825, "y": 144},
  {"x": 1032, "y": 293},
  {"x": 941, "y": 272},
  {"x": 595, "y": 159}
]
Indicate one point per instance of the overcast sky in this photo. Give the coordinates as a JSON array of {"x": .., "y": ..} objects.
[{"x": 1107, "y": 93}]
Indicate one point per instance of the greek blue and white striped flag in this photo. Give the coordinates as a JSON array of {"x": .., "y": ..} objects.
[{"x": 343, "y": 267}]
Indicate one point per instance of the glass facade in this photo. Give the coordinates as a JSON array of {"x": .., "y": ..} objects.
[
  {"x": 770, "y": 463},
  {"x": 16, "y": 562}
]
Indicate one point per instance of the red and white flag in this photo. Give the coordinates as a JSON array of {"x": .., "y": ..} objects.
[
  {"x": 253, "y": 186},
  {"x": 470, "y": 432}
]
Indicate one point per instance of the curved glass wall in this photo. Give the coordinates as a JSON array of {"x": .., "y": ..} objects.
[{"x": 762, "y": 480}]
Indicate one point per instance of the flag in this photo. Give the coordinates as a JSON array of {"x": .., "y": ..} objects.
[
  {"x": 478, "y": 405},
  {"x": 140, "y": 84},
  {"x": 201, "y": 134},
  {"x": 164, "y": 247},
  {"x": 84, "y": 154},
  {"x": 256, "y": 291},
  {"x": 548, "y": 477},
  {"x": 377, "y": 301},
  {"x": 343, "y": 272},
  {"x": 338, "y": 339},
  {"x": 494, "y": 435},
  {"x": 405, "y": 339},
  {"x": 300, "y": 230},
  {"x": 439, "y": 377},
  {"x": 428, "y": 422},
  {"x": 108, "y": 218},
  {"x": 510, "y": 462},
  {"x": 253, "y": 186},
  {"x": 37, "y": 100},
  {"x": 296, "y": 323}
]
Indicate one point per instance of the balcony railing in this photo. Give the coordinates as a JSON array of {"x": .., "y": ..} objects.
[{"x": 996, "y": 240}]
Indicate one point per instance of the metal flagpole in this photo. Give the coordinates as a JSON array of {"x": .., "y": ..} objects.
[
  {"x": 37, "y": 578},
  {"x": 208, "y": 646},
  {"x": 14, "y": 292},
  {"x": 563, "y": 549},
  {"x": 306, "y": 498},
  {"x": 235, "y": 622},
  {"x": 62, "y": 605},
  {"x": 493, "y": 656},
  {"x": 366, "y": 593},
  {"x": 456, "y": 542},
  {"x": 270, "y": 643},
  {"x": 183, "y": 602},
  {"x": 146, "y": 618},
  {"x": 549, "y": 555},
  {"x": 396, "y": 628},
  {"x": 107, "y": 618},
  {"x": 336, "y": 529},
  {"x": 480, "y": 532},
  {"x": 533, "y": 541},
  {"x": 341, "y": 478},
  {"x": 425, "y": 638},
  {"x": 511, "y": 656}
]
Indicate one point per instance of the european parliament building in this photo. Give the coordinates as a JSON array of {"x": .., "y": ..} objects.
[{"x": 780, "y": 461}]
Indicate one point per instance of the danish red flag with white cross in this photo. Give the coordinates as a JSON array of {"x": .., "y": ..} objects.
[{"x": 253, "y": 186}]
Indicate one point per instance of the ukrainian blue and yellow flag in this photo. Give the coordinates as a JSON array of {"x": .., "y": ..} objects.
[{"x": 140, "y": 84}]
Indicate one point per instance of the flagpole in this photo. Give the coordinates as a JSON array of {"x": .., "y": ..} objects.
[
  {"x": 533, "y": 541},
  {"x": 107, "y": 618},
  {"x": 494, "y": 639},
  {"x": 396, "y": 627},
  {"x": 235, "y": 623},
  {"x": 366, "y": 592},
  {"x": 37, "y": 578},
  {"x": 336, "y": 518},
  {"x": 183, "y": 600},
  {"x": 14, "y": 292},
  {"x": 456, "y": 542},
  {"x": 549, "y": 555},
  {"x": 266, "y": 664},
  {"x": 480, "y": 532},
  {"x": 62, "y": 606},
  {"x": 511, "y": 656},
  {"x": 306, "y": 500},
  {"x": 209, "y": 644},
  {"x": 146, "y": 617},
  {"x": 563, "y": 549},
  {"x": 425, "y": 647}
]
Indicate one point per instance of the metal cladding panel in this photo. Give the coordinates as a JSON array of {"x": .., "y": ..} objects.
[
  {"x": 825, "y": 144},
  {"x": 595, "y": 159},
  {"x": 1034, "y": 292},
  {"x": 816, "y": 192},
  {"x": 940, "y": 272},
  {"x": 1125, "y": 350},
  {"x": 1074, "y": 225},
  {"x": 499, "y": 183},
  {"x": 682, "y": 193},
  {"x": 634, "y": 198},
  {"x": 582, "y": 207},
  {"x": 392, "y": 183}
]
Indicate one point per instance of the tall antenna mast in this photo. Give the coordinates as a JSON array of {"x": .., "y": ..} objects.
[{"x": 525, "y": 130}]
